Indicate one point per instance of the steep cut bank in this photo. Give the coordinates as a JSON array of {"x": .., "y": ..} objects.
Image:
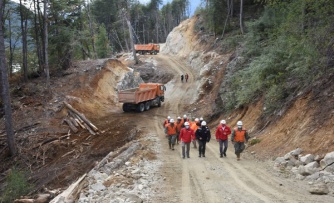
[{"x": 305, "y": 120}]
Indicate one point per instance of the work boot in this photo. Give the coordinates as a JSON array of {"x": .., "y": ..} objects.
[
  {"x": 238, "y": 157},
  {"x": 170, "y": 146},
  {"x": 199, "y": 155},
  {"x": 203, "y": 155},
  {"x": 225, "y": 154},
  {"x": 221, "y": 155}
]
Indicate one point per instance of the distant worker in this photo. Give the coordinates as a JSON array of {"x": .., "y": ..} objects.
[
  {"x": 179, "y": 124},
  {"x": 182, "y": 78},
  {"x": 186, "y": 136},
  {"x": 166, "y": 121},
  {"x": 201, "y": 120},
  {"x": 184, "y": 120},
  {"x": 194, "y": 126},
  {"x": 239, "y": 137},
  {"x": 203, "y": 136},
  {"x": 222, "y": 133},
  {"x": 171, "y": 132},
  {"x": 186, "y": 77}
]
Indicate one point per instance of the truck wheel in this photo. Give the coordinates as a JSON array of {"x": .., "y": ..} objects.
[
  {"x": 140, "y": 107},
  {"x": 147, "y": 105},
  {"x": 155, "y": 53},
  {"x": 126, "y": 108},
  {"x": 159, "y": 103}
]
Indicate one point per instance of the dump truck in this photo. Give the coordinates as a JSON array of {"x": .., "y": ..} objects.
[
  {"x": 147, "y": 48},
  {"x": 143, "y": 97}
]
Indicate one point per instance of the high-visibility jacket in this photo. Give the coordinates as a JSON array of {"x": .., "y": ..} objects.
[
  {"x": 179, "y": 125},
  {"x": 171, "y": 130},
  {"x": 239, "y": 135},
  {"x": 165, "y": 123},
  {"x": 194, "y": 126},
  {"x": 222, "y": 132},
  {"x": 186, "y": 135}
]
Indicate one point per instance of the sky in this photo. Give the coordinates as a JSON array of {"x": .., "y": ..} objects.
[{"x": 193, "y": 4}]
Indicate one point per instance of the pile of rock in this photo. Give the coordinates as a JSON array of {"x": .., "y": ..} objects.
[{"x": 318, "y": 170}]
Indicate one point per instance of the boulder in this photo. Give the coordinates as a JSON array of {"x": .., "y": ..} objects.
[
  {"x": 296, "y": 152},
  {"x": 307, "y": 159},
  {"x": 319, "y": 189},
  {"x": 309, "y": 169},
  {"x": 327, "y": 162}
]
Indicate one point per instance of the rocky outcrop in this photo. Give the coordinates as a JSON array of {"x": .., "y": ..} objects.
[{"x": 319, "y": 172}]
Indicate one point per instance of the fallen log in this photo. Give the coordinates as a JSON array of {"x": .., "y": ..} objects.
[
  {"x": 71, "y": 193},
  {"x": 89, "y": 123},
  {"x": 73, "y": 121},
  {"x": 72, "y": 126},
  {"x": 51, "y": 140},
  {"x": 68, "y": 153}
]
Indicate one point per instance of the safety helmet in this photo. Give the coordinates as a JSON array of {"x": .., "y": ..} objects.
[
  {"x": 223, "y": 122},
  {"x": 239, "y": 123},
  {"x": 201, "y": 118},
  {"x": 168, "y": 117},
  {"x": 179, "y": 118},
  {"x": 203, "y": 123},
  {"x": 184, "y": 116},
  {"x": 171, "y": 120},
  {"x": 186, "y": 123},
  {"x": 196, "y": 119}
]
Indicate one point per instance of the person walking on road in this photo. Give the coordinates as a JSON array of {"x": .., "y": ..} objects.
[
  {"x": 184, "y": 120},
  {"x": 179, "y": 124},
  {"x": 222, "y": 133},
  {"x": 171, "y": 133},
  {"x": 186, "y": 136},
  {"x": 194, "y": 126},
  {"x": 203, "y": 136},
  {"x": 186, "y": 77},
  {"x": 239, "y": 137},
  {"x": 182, "y": 76}
]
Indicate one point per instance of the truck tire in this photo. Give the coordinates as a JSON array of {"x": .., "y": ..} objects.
[
  {"x": 140, "y": 107},
  {"x": 147, "y": 106},
  {"x": 126, "y": 107},
  {"x": 159, "y": 103},
  {"x": 155, "y": 53}
]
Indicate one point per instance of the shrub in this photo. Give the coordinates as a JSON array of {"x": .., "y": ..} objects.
[
  {"x": 254, "y": 141},
  {"x": 16, "y": 186}
]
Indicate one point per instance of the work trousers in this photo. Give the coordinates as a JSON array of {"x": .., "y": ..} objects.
[
  {"x": 185, "y": 149},
  {"x": 223, "y": 144},
  {"x": 201, "y": 147},
  {"x": 239, "y": 147},
  {"x": 171, "y": 140},
  {"x": 194, "y": 143}
]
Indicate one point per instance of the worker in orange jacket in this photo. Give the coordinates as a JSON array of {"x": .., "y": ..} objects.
[
  {"x": 186, "y": 136},
  {"x": 171, "y": 133},
  {"x": 222, "y": 133},
  {"x": 184, "y": 120},
  {"x": 194, "y": 126},
  {"x": 179, "y": 124},
  {"x": 239, "y": 137},
  {"x": 166, "y": 121}
]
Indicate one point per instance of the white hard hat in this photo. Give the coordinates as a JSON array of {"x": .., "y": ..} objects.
[
  {"x": 196, "y": 119},
  {"x": 179, "y": 118},
  {"x": 186, "y": 123},
  {"x": 203, "y": 123},
  {"x": 168, "y": 117},
  {"x": 223, "y": 122},
  {"x": 239, "y": 123},
  {"x": 171, "y": 120},
  {"x": 184, "y": 116},
  {"x": 201, "y": 118}
]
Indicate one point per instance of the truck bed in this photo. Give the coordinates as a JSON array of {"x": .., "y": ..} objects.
[{"x": 136, "y": 95}]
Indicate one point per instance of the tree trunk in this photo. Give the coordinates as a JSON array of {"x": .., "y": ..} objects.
[
  {"x": 131, "y": 41},
  {"x": 24, "y": 43},
  {"x": 46, "y": 45},
  {"x": 5, "y": 89},
  {"x": 38, "y": 44},
  {"x": 241, "y": 17},
  {"x": 11, "y": 54},
  {"x": 92, "y": 34}
]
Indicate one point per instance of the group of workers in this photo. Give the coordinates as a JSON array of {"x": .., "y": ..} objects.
[{"x": 185, "y": 131}]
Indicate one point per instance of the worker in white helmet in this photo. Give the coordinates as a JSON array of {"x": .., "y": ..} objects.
[
  {"x": 222, "y": 133},
  {"x": 184, "y": 120},
  {"x": 166, "y": 121},
  {"x": 194, "y": 126},
  {"x": 171, "y": 133},
  {"x": 179, "y": 124},
  {"x": 239, "y": 137},
  {"x": 186, "y": 136},
  {"x": 203, "y": 136}
]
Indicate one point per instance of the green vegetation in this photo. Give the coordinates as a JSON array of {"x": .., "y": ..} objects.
[
  {"x": 254, "y": 141},
  {"x": 16, "y": 186},
  {"x": 283, "y": 51}
]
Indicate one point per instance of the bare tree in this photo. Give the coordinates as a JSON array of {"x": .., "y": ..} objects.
[
  {"x": 24, "y": 30},
  {"x": 5, "y": 88},
  {"x": 242, "y": 26},
  {"x": 46, "y": 45}
]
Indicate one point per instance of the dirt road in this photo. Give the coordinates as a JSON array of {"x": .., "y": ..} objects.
[{"x": 213, "y": 179}]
